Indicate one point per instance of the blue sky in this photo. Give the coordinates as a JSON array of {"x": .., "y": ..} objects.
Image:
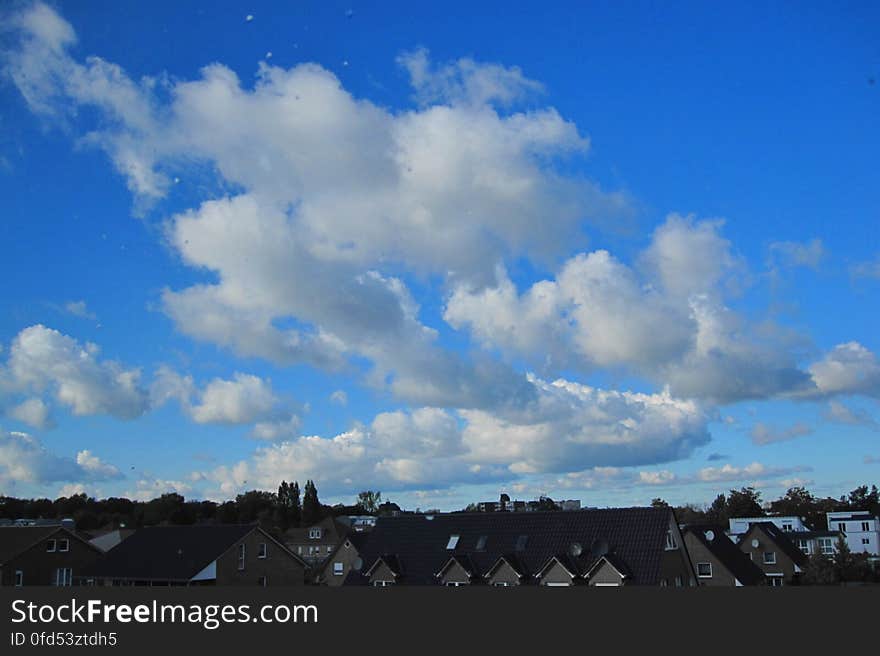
[{"x": 592, "y": 250}]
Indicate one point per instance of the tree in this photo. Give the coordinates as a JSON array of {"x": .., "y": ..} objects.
[
  {"x": 368, "y": 501},
  {"x": 745, "y": 502},
  {"x": 503, "y": 501},
  {"x": 820, "y": 570},
  {"x": 546, "y": 503},
  {"x": 717, "y": 511},
  {"x": 311, "y": 506},
  {"x": 799, "y": 502},
  {"x": 657, "y": 502}
]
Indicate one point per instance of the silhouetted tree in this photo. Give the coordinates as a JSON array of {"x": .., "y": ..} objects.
[
  {"x": 368, "y": 501},
  {"x": 311, "y": 506}
]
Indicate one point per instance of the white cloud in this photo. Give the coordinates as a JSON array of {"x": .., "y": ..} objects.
[
  {"x": 798, "y": 254},
  {"x": 340, "y": 397},
  {"x": 79, "y": 309},
  {"x": 33, "y": 412},
  {"x": 24, "y": 459},
  {"x": 762, "y": 434},
  {"x": 274, "y": 430},
  {"x": 869, "y": 269},
  {"x": 147, "y": 489},
  {"x": 242, "y": 400},
  {"x": 848, "y": 368},
  {"x": 753, "y": 471},
  {"x": 841, "y": 413},
  {"x": 44, "y": 360}
]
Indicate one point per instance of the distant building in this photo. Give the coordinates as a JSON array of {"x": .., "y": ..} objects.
[
  {"x": 315, "y": 543},
  {"x": 43, "y": 555},
  {"x": 344, "y": 559},
  {"x": 860, "y": 529},
  {"x": 772, "y": 549},
  {"x": 625, "y": 546},
  {"x": 740, "y": 525},
  {"x": 241, "y": 555}
]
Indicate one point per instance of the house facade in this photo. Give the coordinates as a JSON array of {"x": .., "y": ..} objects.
[
  {"x": 315, "y": 543},
  {"x": 43, "y": 555},
  {"x": 718, "y": 561},
  {"x": 770, "y": 549},
  {"x": 860, "y": 529}
]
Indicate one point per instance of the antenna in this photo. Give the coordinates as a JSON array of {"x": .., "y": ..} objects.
[
  {"x": 710, "y": 535},
  {"x": 575, "y": 549}
]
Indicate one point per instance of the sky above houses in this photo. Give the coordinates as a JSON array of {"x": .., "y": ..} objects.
[{"x": 593, "y": 250}]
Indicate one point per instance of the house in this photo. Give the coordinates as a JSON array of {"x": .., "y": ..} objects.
[
  {"x": 770, "y": 548},
  {"x": 740, "y": 525},
  {"x": 814, "y": 542},
  {"x": 624, "y": 546},
  {"x": 345, "y": 558},
  {"x": 43, "y": 555},
  {"x": 243, "y": 555},
  {"x": 717, "y": 560},
  {"x": 315, "y": 543},
  {"x": 860, "y": 529}
]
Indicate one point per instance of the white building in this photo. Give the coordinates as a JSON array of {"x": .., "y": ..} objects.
[
  {"x": 740, "y": 525},
  {"x": 861, "y": 530}
]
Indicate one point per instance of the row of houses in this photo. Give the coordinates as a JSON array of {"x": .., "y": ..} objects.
[{"x": 593, "y": 547}]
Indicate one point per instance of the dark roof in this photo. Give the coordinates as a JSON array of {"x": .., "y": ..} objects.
[
  {"x": 809, "y": 535},
  {"x": 780, "y": 538},
  {"x": 18, "y": 539},
  {"x": 636, "y": 536},
  {"x": 727, "y": 553},
  {"x": 852, "y": 518},
  {"x": 168, "y": 553},
  {"x": 333, "y": 531}
]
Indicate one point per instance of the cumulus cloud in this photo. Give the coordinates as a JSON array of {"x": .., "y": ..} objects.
[
  {"x": 238, "y": 401},
  {"x": 848, "y": 368},
  {"x": 79, "y": 309},
  {"x": 841, "y": 413},
  {"x": 24, "y": 459},
  {"x": 33, "y": 412},
  {"x": 44, "y": 360},
  {"x": 762, "y": 434}
]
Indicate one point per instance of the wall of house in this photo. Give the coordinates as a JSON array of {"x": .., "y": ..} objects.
[
  {"x": 721, "y": 576},
  {"x": 347, "y": 554},
  {"x": 556, "y": 574},
  {"x": 504, "y": 574},
  {"x": 784, "y": 565},
  {"x": 39, "y": 565},
  {"x": 280, "y": 568},
  {"x": 605, "y": 574},
  {"x": 677, "y": 562},
  {"x": 381, "y": 573},
  {"x": 455, "y": 573}
]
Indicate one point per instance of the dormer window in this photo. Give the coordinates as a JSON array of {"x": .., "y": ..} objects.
[
  {"x": 481, "y": 543},
  {"x": 314, "y": 533},
  {"x": 453, "y": 542}
]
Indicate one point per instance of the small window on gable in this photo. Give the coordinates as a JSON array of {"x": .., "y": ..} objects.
[
  {"x": 521, "y": 542},
  {"x": 769, "y": 557},
  {"x": 670, "y": 541},
  {"x": 481, "y": 543},
  {"x": 50, "y": 546},
  {"x": 704, "y": 570},
  {"x": 315, "y": 533},
  {"x": 263, "y": 550},
  {"x": 453, "y": 542},
  {"x": 241, "y": 556},
  {"x": 63, "y": 545},
  {"x": 338, "y": 569},
  {"x": 19, "y": 578}
]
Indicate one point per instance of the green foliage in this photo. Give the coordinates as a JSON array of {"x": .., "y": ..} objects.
[{"x": 368, "y": 501}]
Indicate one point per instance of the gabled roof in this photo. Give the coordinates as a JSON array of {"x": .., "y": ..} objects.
[
  {"x": 635, "y": 535},
  {"x": 390, "y": 561},
  {"x": 512, "y": 561},
  {"x": 15, "y": 540},
  {"x": 563, "y": 561},
  {"x": 171, "y": 553},
  {"x": 612, "y": 560},
  {"x": 727, "y": 553},
  {"x": 463, "y": 561},
  {"x": 779, "y": 538},
  {"x": 332, "y": 531}
]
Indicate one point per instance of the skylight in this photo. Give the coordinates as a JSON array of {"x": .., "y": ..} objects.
[
  {"x": 453, "y": 541},
  {"x": 481, "y": 543},
  {"x": 521, "y": 542}
]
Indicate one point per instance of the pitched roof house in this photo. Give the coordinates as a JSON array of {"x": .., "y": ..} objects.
[
  {"x": 624, "y": 546},
  {"x": 315, "y": 543},
  {"x": 43, "y": 555},
  {"x": 717, "y": 559},
  {"x": 770, "y": 548},
  {"x": 199, "y": 555},
  {"x": 345, "y": 558}
]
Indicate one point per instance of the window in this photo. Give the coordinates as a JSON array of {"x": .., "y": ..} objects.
[
  {"x": 501, "y": 584},
  {"x": 769, "y": 557},
  {"x": 19, "y": 578},
  {"x": 338, "y": 569},
  {"x": 300, "y": 549},
  {"x": 453, "y": 542},
  {"x": 841, "y": 527},
  {"x": 804, "y": 546},
  {"x": 263, "y": 581},
  {"x": 241, "y": 554},
  {"x": 63, "y": 576},
  {"x": 826, "y": 546},
  {"x": 63, "y": 545},
  {"x": 521, "y": 542},
  {"x": 786, "y": 526},
  {"x": 329, "y": 548},
  {"x": 481, "y": 543},
  {"x": 866, "y": 541},
  {"x": 774, "y": 581},
  {"x": 678, "y": 582},
  {"x": 670, "y": 541},
  {"x": 455, "y": 584},
  {"x": 262, "y": 550},
  {"x": 314, "y": 533},
  {"x": 866, "y": 526},
  {"x": 382, "y": 584},
  {"x": 50, "y": 546},
  {"x": 704, "y": 570}
]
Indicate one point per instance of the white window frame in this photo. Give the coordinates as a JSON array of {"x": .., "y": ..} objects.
[
  {"x": 826, "y": 546},
  {"x": 556, "y": 584},
  {"x": 63, "y": 546},
  {"x": 63, "y": 577},
  {"x": 242, "y": 554},
  {"x": 263, "y": 581},
  {"x": 670, "y": 541},
  {"x": 786, "y": 526},
  {"x": 866, "y": 526},
  {"x": 767, "y": 561},
  {"x": 51, "y": 546},
  {"x": 679, "y": 582},
  {"x": 314, "y": 534},
  {"x": 501, "y": 584},
  {"x": 841, "y": 526},
  {"x": 775, "y": 580},
  {"x": 19, "y": 578},
  {"x": 382, "y": 583},
  {"x": 262, "y": 550},
  {"x": 338, "y": 568},
  {"x": 704, "y": 576}
]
